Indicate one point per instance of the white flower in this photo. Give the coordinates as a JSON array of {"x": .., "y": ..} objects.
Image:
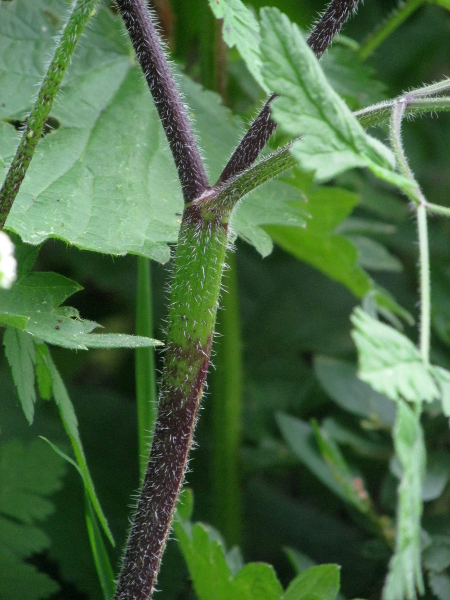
[{"x": 8, "y": 264}]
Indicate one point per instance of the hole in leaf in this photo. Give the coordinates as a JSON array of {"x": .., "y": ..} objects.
[{"x": 19, "y": 124}]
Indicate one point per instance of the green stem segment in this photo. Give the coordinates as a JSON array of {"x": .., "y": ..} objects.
[
  {"x": 195, "y": 291},
  {"x": 416, "y": 195},
  {"x": 146, "y": 395},
  {"x": 83, "y": 9},
  {"x": 393, "y": 22},
  {"x": 227, "y": 407}
]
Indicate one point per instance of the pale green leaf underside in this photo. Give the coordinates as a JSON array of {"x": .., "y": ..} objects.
[
  {"x": 333, "y": 141},
  {"x": 105, "y": 179},
  {"x": 241, "y": 29},
  {"x": 390, "y": 362}
]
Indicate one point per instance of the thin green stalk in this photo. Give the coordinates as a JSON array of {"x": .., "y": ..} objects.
[
  {"x": 384, "y": 31},
  {"x": 378, "y": 113},
  {"x": 439, "y": 210},
  {"x": 227, "y": 407},
  {"x": 419, "y": 200},
  {"x": 425, "y": 293},
  {"x": 71, "y": 33},
  {"x": 146, "y": 395}
]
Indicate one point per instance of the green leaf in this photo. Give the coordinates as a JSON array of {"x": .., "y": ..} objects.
[
  {"x": 37, "y": 297},
  {"x": 316, "y": 583},
  {"x": 113, "y": 186},
  {"x": 29, "y": 474},
  {"x": 301, "y": 439},
  {"x": 440, "y": 584},
  {"x": 340, "y": 381},
  {"x": 350, "y": 77},
  {"x": 70, "y": 423},
  {"x": 101, "y": 558},
  {"x": 21, "y": 355},
  {"x": 436, "y": 556},
  {"x": 204, "y": 552},
  {"x": 318, "y": 244},
  {"x": 442, "y": 377},
  {"x": 390, "y": 362},
  {"x": 241, "y": 29},
  {"x": 405, "y": 571},
  {"x": 332, "y": 139},
  {"x": 373, "y": 255}
]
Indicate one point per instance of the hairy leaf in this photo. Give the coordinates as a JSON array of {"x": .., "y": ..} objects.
[
  {"x": 241, "y": 29},
  {"x": 36, "y": 297},
  {"x": 333, "y": 141},
  {"x": 20, "y": 352}
]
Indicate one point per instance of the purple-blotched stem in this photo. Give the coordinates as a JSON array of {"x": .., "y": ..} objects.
[
  {"x": 263, "y": 127},
  {"x": 147, "y": 45}
]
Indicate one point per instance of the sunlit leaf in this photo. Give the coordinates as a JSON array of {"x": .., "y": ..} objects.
[{"x": 390, "y": 362}]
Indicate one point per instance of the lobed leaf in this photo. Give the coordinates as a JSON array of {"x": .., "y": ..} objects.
[
  {"x": 333, "y": 141},
  {"x": 33, "y": 304},
  {"x": 241, "y": 29}
]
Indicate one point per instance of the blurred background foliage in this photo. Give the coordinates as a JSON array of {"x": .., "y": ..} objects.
[{"x": 293, "y": 353}]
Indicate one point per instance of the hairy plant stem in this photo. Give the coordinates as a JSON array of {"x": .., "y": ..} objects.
[
  {"x": 417, "y": 197},
  {"x": 146, "y": 395},
  {"x": 83, "y": 9},
  {"x": 195, "y": 290},
  {"x": 263, "y": 126},
  {"x": 397, "y": 17},
  {"x": 171, "y": 110}
]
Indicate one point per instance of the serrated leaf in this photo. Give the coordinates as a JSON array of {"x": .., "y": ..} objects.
[
  {"x": 22, "y": 581},
  {"x": 37, "y": 296},
  {"x": 241, "y": 29},
  {"x": 28, "y": 475},
  {"x": 316, "y": 583},
  {"x": 332, "y": 139},
  {"x": 405, "y": 571},
  {"x": 105, "y": 180},
  {"x": 21, "y": 355},
  {"x": 390, "y": 362}
]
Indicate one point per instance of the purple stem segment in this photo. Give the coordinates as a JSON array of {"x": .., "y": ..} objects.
[
  {"x": 263, "y": 127},
  {"x": 147, "y": 45}
]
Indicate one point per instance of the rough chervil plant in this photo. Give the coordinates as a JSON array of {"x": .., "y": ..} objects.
[{"x": 92, "y": 168}]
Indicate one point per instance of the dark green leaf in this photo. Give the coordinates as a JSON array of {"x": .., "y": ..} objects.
[{"x": 316, "y": 583}]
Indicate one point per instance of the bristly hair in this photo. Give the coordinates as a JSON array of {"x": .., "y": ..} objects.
[
  {"x": 263, "y": 127},
  {"x": 149, "y": 50}
]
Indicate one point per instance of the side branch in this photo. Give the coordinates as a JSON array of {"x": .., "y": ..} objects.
[
  {"x": 263, "y": 127},
  {"x": 155, "y": 67}
]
